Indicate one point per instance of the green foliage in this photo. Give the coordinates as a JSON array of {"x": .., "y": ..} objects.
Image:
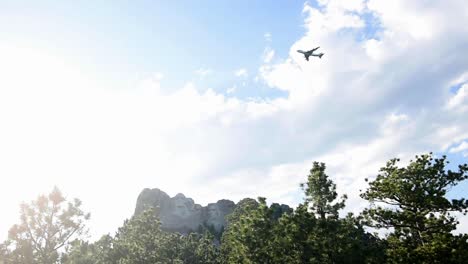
[
  {"x": 412, "y": 200},
  {"x": 313, "y": 233},
  {"x": 294, "y": 236},
  {"x": 317, "y": 232},
  {"x": 232, "y": 249},
  {"x": 141, "y": 240},
  {"x": 321, "y": 193},
  {"x": 81, "y": 252},
  {"x": 211, "y": 230},
  {"x": 244, "y": 206},
  {"x": 199, "y": 249},
  {"x": 250, "y": 235},
  {"x": 5, "y": 253},
  {"x": 47, "y": 225}
]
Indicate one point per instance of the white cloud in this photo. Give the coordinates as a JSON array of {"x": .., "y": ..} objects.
[
  {"x": 463, "y": 146},
  {"x": 335, "y": 17},
  {"x": 364, "y": 102},
  {"x": 242, "y": 72},
  {"x": 203, "y": 72},
  {"x": 377, "y": 105},
  {"x": 350, "y": 5},
  {"x": 463, "y": 223},
  {"x": 460, "y": 100},
  {"x": 267, "y": 36},
  {"x": 418, "y": 21},
  {"x": 231, "y": 90},
  {"x": 268, "y": 55}
]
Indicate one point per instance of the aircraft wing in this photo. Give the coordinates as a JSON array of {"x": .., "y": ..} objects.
[{"x": 312, "y": 50}]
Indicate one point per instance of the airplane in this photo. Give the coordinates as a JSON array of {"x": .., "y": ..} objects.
[{"x": 309, "y": 53}]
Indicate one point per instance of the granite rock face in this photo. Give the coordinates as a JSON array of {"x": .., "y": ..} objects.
[{"x": 183, "y": 215}]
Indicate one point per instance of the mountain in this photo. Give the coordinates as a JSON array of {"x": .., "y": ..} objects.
[{"x": 181, "y": 214}]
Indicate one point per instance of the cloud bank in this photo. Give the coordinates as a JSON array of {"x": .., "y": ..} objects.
[{"x": 392, "y": 83}]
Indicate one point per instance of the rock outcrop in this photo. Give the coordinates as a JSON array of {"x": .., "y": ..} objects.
[{"x": 183, "y": 215}]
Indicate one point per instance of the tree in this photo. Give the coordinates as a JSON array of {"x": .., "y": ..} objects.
[
  {"x": 83, "y": 252},
  {"x": 251, "y": 233},
  {"x": 321, "y": 193},
  {"x": 329, "y": 238},
  {"x": 5, "y": 253},
  {"x": 141, "y": 240},
  {"x": 47, "y": 225},
  {"x": 80, "y": 252},
  {"x": 232, "y": 249},
  {"x": 412, "y": 201},
  {"x": 312, "y": 233},
  {"x": 198, "y": 249},
  {"x": 296, "y": 231}
]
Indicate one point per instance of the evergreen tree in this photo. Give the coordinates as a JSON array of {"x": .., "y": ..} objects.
[
  {"x": 413, "y": 201},
  {"x": 320, "y": 192},
  {"x": 329, "y": 238},
  {"x": 141, "y": 240},
  {"x": 83, "y": 252},
  {"x": 250, "y": 235},
  {"x": 47, "y": 224}
]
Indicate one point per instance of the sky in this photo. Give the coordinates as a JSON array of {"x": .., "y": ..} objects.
[{"x": 211, "y": 99}]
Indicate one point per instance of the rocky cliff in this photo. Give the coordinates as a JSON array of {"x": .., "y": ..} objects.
[{"x": 182, "y": 214}]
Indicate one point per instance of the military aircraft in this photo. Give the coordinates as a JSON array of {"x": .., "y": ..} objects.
[{"x": 309, "y": 53}]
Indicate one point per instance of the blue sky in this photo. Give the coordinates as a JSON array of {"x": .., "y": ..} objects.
[
  {"x": 211, "y": 98},
  {"x": 123, "y": 39}
]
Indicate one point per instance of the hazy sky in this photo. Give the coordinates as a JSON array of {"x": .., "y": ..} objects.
[{"x": 210, "y": 98}]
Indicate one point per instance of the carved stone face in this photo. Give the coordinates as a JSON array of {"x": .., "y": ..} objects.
[
  {"x": 181, "y": 207},
  {"x": 213, "y": 211}
]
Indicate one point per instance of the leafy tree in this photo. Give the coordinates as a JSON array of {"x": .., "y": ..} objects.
[
  {"x": 198, "y": 249},
  {"x": 320, "y": 198},
  {"x": 47, "y": 225},
  {"x": 279, "y": 210},
  {"x": 6, "y": 256},
  {"x": 293, "y": 240},
  {"x": 206, "y": 251},
  {"x": 321, "y": 193},
  {"x": 328, "y": 238},
  {"x": 210, "y": 230},
  {"x": 250, "y": 235},
  {"x": 356, "y": 244},
  {"x": 141, "y": 240},
  {"x": 104, "y": 250},
  {"x": 82, "y": 252},
  {"x": 232, "y": 250},
  {"x": 243, "y": 207},
  {"x": 412, "y": 201},
  {"x": 313, "y": 233}
]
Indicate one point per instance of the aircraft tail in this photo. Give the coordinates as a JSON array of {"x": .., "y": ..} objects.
[{"x": 320, "y": 55}]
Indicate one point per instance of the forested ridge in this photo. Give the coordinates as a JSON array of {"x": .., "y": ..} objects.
[{"x": 409, "y": 202}]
